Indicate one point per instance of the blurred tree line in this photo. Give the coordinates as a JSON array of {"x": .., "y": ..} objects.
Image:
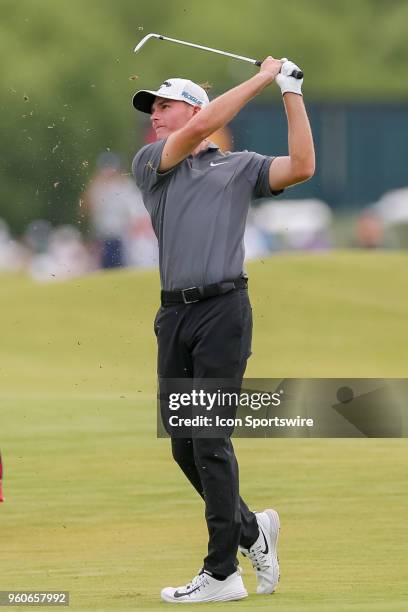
[{"x": 68, "y": 74}]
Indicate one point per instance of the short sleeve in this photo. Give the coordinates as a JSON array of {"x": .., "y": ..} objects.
[
  {"x": 145, "y": 166},
  {"x": 257, "y": 172}
]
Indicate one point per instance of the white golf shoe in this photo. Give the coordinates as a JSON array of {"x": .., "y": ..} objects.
[
  {"x": 204, "y": 587},
  {"x": 263, "y": 553}
]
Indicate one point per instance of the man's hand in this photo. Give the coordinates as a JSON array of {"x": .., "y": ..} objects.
[
  {"x": 286, "y": 82},
  {"x": 271, "y": 66}
]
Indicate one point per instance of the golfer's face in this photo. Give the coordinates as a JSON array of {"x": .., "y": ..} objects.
[{"x": 169, "y": 115}]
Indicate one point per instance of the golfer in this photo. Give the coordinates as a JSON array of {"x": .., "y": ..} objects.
[{"x": 198, "y": 199}]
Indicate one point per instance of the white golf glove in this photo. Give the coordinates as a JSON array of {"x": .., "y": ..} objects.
[{"x": 286, "y": 82}]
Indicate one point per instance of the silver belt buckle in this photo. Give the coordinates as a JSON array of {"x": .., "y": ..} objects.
[{"x": 185, "y": 299}]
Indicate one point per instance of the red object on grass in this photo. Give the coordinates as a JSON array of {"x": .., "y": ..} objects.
[{"x": 1, "y": 481}]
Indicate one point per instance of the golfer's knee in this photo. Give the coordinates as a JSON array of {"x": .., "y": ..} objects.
[{"x": 182, "y": 450}]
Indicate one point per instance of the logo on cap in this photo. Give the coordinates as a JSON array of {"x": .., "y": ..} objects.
[
  {"x": 166, "y": 83},
  {"x": 187, "y": 95}
]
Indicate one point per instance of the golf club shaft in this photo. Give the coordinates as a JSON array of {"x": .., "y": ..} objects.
[
  {"x": 240, "y": 57},
  {"x": 297, "y": 74}
]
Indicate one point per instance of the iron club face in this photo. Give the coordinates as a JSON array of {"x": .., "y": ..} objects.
[{"x": 144, "y": 40}]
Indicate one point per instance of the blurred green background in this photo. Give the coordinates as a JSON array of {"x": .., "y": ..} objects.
[{"x": 68, "y": 73}]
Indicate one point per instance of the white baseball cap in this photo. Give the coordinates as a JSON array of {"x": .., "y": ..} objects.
[{"x": 173, "y": 89}]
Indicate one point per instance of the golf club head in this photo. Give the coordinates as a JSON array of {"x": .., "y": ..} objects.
[{"x": 144, "y": 40}]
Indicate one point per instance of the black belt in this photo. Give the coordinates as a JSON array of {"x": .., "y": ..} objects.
[{"x": 196, "y": 294}]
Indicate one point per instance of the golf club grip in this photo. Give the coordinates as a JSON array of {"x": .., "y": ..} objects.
[{"x": 296, "y": 74}]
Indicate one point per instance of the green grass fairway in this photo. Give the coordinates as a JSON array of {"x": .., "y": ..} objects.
[{"x": 96, "y": 506}]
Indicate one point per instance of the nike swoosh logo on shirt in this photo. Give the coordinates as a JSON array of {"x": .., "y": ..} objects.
[{"x": 217, "y": 164}]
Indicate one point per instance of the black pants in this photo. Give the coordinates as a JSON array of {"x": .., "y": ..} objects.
[{"x": 211, "y": 339}]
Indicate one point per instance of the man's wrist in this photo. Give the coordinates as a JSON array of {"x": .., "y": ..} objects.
[
  {"x": 264, "y": 78},
  {"x": 292, "y": 93}
]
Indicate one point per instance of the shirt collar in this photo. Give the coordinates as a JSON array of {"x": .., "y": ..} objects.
[{"x": 211, "y": 147}]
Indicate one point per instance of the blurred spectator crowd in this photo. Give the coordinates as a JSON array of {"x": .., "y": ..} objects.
[{"x": 119, "y": 231}]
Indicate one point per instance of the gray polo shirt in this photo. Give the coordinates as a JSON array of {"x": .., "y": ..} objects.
[{"x": 199, "y": 210}]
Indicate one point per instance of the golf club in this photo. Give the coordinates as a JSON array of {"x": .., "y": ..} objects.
[{"x": 297, "y": 74}]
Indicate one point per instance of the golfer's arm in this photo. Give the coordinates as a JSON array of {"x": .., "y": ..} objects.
[
  {"x": 218, "y": 113},
  {"x": 299, "y": 165}
]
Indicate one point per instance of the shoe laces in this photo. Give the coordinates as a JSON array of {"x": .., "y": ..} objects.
[
  {"x": 198, "y": 581},
  {"x": 258, "y": 558}
]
